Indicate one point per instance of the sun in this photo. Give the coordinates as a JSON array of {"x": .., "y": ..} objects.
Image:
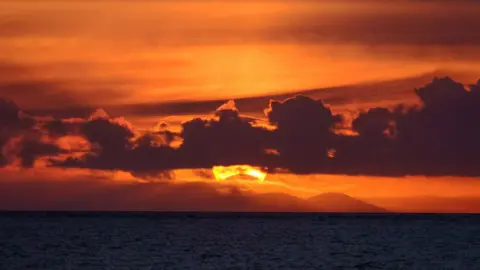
[{"x": 225, "y": 172}]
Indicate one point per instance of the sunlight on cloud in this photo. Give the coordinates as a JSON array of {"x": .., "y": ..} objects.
[{"x": 225, "y": 172}]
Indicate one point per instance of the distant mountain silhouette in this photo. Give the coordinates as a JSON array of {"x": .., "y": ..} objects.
[
  {"x": 282, "y": 202},
  {"x": 339, "y": 202},
  {"x": 430, "y": 204},
  {"x": 327, "y": 202}
]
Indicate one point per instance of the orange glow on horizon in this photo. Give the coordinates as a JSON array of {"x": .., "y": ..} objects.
[
  {"x": 225, "y": 172},
  {"x": 160, "y": 64}
]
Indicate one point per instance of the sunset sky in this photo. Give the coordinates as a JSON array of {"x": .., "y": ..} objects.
[{"x": 128, "y": 105}]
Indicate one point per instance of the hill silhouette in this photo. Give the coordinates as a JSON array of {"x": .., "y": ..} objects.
[
  {"x": 326, "y": 202},
  {"x": 339, "y": 202}
]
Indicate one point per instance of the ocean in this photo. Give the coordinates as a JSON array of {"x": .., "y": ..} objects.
[{"x": 81, "y": 240}]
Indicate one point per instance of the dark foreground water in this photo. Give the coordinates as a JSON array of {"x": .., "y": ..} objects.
[{"x": 238, "y": 241}]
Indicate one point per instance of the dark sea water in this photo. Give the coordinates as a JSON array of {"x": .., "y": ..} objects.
[{"x": 238, "y": 241}]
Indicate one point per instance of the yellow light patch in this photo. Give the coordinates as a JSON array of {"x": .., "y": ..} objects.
[{"x": 224, "y": 172}]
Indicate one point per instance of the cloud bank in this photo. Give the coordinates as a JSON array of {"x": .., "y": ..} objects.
[{"x": 439, "y": 137}]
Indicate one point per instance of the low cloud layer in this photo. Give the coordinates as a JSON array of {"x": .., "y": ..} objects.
[
  {"x": 99, "y": 193},
  {"x": 438, "y": 137}
]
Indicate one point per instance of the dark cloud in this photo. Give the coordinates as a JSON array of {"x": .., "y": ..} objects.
[
  {"x": 11, "y": 116},
  {"x": 443, "y": 135},
  {"x": 304, "y": 130},
  {"x": 227, "y": 140},
  {"x": 60, "y": 128},
  {"x": 31, "y": 150},
  {"x": 376, "y": 122},
  {"x": 116, "y": 146},
  {"x": 111, "y": 136},
  {"x": 13, "y": 123},
  {"x": 438, "y": 137}
]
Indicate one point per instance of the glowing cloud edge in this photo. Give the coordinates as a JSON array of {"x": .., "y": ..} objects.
[{"x": 225, "y": 172}]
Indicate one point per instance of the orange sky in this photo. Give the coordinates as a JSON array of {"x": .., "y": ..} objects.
[
  {"x": 191, "y": 50},
  {"x": 65, "y": 54}
]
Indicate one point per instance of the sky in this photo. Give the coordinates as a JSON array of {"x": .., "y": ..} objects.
[{"x": 140, "y": 100}]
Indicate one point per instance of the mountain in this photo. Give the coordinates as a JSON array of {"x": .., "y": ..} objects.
[
  {"x": 339, "y": 202},
  {"x": 327, "y": 202},
  {"x": 429, "y": 204},
  {"x": 281, "y": 202}
]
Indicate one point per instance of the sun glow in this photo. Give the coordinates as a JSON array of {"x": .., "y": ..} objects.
[{"x": 226, "y": 172}]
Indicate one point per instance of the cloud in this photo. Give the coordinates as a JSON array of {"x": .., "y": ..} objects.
[
  {"x": 304, "y": 129},
  {"x": 26, "y": 138},
  {"x": 443, "y": 134},
  {"x": 32, "y": 149},
  {"x": 112, "y": 137},
  {"x": 438, "y": 137},
  {"x": 227, "y": 139},
  {"x": 13, "y": 123},
  {"x": 11, "y": 116},
  {"x": 42, "y": 91},
  {"x": 376, "y": 122},
  {"x": 340, "y": 99},
  {"x": 116, "y": 145}
]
